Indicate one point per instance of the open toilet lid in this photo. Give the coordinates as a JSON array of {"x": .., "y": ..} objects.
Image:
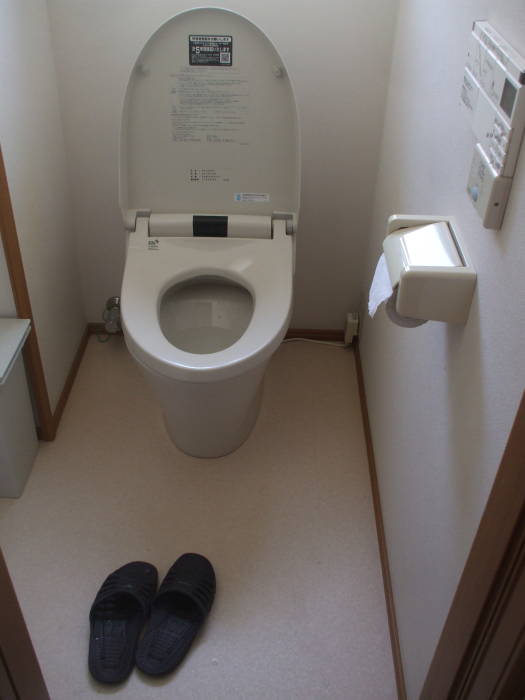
[{"x": 209, "y": 122}]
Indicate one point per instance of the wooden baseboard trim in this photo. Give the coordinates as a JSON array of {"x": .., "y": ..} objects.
[
  {"x": 52, "y": 427},
  {"x": 70, "y": 379},
  {"x": 95, "y": 328},
  {"x": 383, "y": 552},
  {"x": 308, "y": 333},
  {"x": 316, "y": 334}
]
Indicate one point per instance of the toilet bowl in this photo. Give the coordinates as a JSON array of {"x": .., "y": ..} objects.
[{"x": 209, "y": 191}]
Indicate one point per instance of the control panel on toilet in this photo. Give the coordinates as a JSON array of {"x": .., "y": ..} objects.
[{"x": 493, "y": 95}]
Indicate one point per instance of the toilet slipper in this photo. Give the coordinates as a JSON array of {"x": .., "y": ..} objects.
[
  {"x": 117, "y": 616},
  {"x": 177, "y": 613}
]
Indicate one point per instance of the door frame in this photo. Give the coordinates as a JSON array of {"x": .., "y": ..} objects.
[
  {"x": 481, "y": 649},
  {"x": 33, "y": 361},
  {"x": 21, "y": 671},
  {"x": 46, "y": 420}
]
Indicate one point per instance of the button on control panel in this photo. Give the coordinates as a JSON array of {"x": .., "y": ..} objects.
[{"x": 499, "y": 145}]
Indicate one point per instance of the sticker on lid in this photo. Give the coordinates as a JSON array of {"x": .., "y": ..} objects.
[
  {"x": 210, "y": 107},
  {"x": 251, "y": 197},
  {"x": 210, "y": 50},
  {"x": 209, "y": 175}
]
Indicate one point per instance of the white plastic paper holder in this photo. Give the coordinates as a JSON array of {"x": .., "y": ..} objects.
[{"x": 430, "y": 267}]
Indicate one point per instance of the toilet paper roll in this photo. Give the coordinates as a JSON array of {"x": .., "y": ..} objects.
[
  {"x": 381, "y": 291},
  {"x": 395, "y": 317}
]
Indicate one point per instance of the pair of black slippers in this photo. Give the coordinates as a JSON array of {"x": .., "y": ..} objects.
[{"x": 125, "y": 601}]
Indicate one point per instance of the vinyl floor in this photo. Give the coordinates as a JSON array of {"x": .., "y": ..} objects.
[{"x": 287, "y": 521}]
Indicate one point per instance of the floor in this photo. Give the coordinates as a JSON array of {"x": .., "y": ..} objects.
[{"x": 287, "y": 521}]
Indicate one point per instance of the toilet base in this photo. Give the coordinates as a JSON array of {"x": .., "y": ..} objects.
[{"x": 210, "y": 419}]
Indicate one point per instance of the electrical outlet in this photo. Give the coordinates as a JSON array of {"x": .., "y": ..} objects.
[{"x": 351, "y": 327}]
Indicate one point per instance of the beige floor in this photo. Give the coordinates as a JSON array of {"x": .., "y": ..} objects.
[{"x": 287, "y": 521}]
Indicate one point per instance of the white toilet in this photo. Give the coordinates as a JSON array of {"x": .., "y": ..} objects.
[{"x": 209, "y": 191}]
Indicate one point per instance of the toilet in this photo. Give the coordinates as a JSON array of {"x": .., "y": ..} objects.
[{"x": 209, "y": 192}]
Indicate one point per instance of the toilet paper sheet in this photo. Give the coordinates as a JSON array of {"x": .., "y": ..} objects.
[
  {"x": 382, "y": 291},
  {"x": 381, "y": 288}
]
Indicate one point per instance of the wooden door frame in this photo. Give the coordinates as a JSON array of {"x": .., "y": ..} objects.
[
  {"x": 47, "y": 421},
  {"x": 484, "y": 634},
  {"x": 33, "y": 361},
  {"x": 16, "y": 649}
]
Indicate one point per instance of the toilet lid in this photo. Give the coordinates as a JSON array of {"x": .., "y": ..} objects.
[{"x": 209, "y": 122}]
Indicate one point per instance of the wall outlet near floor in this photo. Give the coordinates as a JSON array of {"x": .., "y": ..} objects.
[{"x": 351, "y": 327}]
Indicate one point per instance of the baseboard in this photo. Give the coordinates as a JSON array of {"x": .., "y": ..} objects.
[
  {"x": 70, "y": 379},
  {"x": 383, "y": 552},
  {"x": 316, "y": 334},
  {"x": 310, "y": 333},
  {"x": 95, "y": 328},
  {"x": 56, "y": 417}
]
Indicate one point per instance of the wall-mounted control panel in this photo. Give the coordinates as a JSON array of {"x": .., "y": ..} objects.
[{"x": 493, "y": 95}]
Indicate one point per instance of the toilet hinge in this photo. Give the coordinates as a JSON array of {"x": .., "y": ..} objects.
[
  {"x": 288, "y": 218},
  {"x": 210, "y": 225},
  {"x": 214, "y": 226}
]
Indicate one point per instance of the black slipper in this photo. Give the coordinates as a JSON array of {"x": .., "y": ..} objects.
[
  {"x": 117, "y": 615},
  {"x": 177, "y": 613}
]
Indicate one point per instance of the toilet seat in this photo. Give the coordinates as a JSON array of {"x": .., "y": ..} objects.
[{"x": 263, "y": 266}]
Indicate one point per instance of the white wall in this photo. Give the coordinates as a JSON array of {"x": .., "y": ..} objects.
[
  {"x": 441, "y": 398},
  {"x": 34, "y": 154},
  {"x": 324, "y": 46}
]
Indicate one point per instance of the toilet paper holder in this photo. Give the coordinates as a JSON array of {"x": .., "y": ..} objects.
[{"x": 430, "y": 267}]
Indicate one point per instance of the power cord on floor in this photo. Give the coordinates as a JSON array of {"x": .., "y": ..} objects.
[{"x": 333, "y": 343}]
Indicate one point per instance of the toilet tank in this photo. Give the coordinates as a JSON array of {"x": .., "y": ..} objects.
[{"x": 209, "y": 122}]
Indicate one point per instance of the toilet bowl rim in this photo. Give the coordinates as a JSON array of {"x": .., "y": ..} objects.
[
  {"x": 260, "y": 339},
  {"x": 265, "y": 271},
  {"x": 253, "y": 348}
]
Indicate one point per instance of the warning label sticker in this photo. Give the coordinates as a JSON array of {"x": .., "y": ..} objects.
[
  {"x": 208, "y": 175},
  {"x": 251, "y": 197},
  {"x": 210, "y": 106},
  {"x": 210, "y": 50}
]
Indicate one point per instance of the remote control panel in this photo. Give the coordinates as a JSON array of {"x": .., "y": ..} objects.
[{"x": 493, "y": 96}]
